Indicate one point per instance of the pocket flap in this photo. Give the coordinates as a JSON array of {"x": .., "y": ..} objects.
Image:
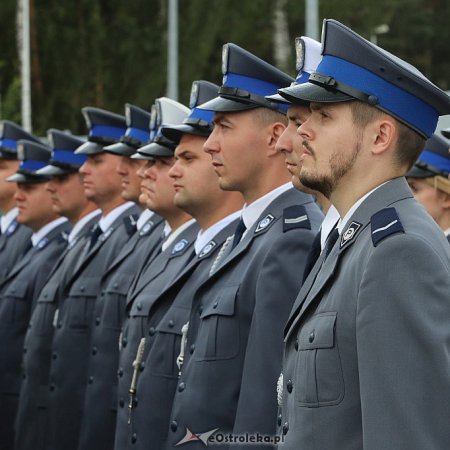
[
  {"x": 223, "y": 303},
  {"x": 120, "y": 283},
  {"x": 173, "y": 320},
  {"x": 318, "y": 332},
  {"x": 48, "y": 293},
  {"x": 85, "y": 287},
  {"x": 17, "y": 289}
]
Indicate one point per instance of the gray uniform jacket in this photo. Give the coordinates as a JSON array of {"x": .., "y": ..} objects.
[
  {"x": 13, "y": 244},
  {"x": 236, "y": 326},
  {"x": 158, "y": 376},
  {"x": 100, "y": 401},
  {"x": 163, "y": 269},
  {"x": 71, "y": 341},
  {"x": 367, "y": 357},
  {"x": 18, "y": 294},
  {"x": 31, "y": 422}
]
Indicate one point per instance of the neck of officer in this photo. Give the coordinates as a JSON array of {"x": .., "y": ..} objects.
[
  {"x": 75, "y": 216},
  {"x": 108, "y": 205},
  {"x": 7, "y": 204},
  {"x": 176, "y": 218},
  {"x": 273, "y": 176},
  {"x": 218, "y": 208}
]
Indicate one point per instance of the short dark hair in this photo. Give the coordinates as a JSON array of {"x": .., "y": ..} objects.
[
  {"x": 266, "y": 116},
  {"x": 410, "y": 144}
]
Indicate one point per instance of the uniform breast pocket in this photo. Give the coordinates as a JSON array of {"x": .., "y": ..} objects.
[
  {"x": 80, "y": 303},
  {"x": 167, "y": 344},
  {"x": 318, "y": 373},
  {"x": 218, "y": 334},
  {"x": 15, "y": 300},
  {"x": 44, "y": 313},
  {"x": 113, "y": 309}
]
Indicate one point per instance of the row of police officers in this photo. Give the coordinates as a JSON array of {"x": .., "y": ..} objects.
[{"x": 251, "y": 270}]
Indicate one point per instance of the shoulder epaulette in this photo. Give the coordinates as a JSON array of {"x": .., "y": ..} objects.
[
  {"x": 295, "y": 217},
  {"x": 384, "y": 223}
]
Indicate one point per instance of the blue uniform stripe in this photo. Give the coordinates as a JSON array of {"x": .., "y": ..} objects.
[
  {"x": 8, "y": 143},
  {"x": 435, "y": 160},
  {"x": 138, "y": 134},
  {"x": 249, "y": 84},
  {"x": 32, "y": 165},
  {"x": 402, "y": 104},
  {"x": 202, "y": 114},
  {"x": 105, "y": 131},
  {"x": 67, "y": 157}
]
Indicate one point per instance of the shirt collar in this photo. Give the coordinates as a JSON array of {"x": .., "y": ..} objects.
[
  {"x": 145, "y": 216},
  {"x": 80, "y": 224},
  {"x": 40, "y": 234},
  {"x": 351, "y": 211},
  {"x": 106, "y": 221},
  {"x": 176, "y": 233},
  {"x": 7, "y": 219},
  {"x": 207, "y": 235},
  {"x": 252, "y": 212},
  {"x": 329, "y": 222}
]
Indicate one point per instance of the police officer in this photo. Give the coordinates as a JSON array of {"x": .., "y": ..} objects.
[
  {"x": 290, "y": 144},
  {"x": 197, "y": 191},
  {"x": 100, "y": 400},
  {"x": 20, "y": 288},
  {"x": 174, "y": 253},
  {"x": 71, "y": 339},
  {"x": 367, "y": 342},
  {"x": 429, "y": 181},
  {"x": 235, "y": 325},
  {"x": 68, "y": 199},
  {"x": 14, "y": 238}
]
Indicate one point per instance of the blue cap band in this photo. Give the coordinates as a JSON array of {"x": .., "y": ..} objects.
[
  {"x": 249, "y": 84},
  {"x": 8, "y": 143},
  {"x": 401, "y": 104},
  {"x": 105, "y": 131},
  {"x": 202, "y": 114},
  {"x": 302, "y": 77},
  {"x": 435, "y": 160},
  {"x": 32, "y": 165},
  {"x": 67, "y": 157},
  {"x": 138, "y": 134}
]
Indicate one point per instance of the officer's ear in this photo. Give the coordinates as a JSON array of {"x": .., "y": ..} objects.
[
  {"x": 444, "y": 200},
  {"x": 382, "y": 134},
  {"x": 275, "y": 131}
]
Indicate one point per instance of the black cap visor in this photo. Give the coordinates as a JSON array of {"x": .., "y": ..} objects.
[
  {"x": 53, "y": 171},
  {"x": 120, "y": 149},
  {"x": 308, "y": 92},
  {"x": 155, "y": 150},
  {"x": 89, "y": 148},
  {"x": 220, "y": 104},
  {"x": 174, "y": 133},
  {"x": 27, "y": 178}
]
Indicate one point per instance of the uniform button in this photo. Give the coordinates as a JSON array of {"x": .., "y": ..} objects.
[
  {"x": 181, "y": 387},
  {"x": 191, "y": 349},
  {"x": 91, "y": 380},
  {"x": 151, "y": 331},
  {"x": 280, "y": 418},
  {"x": 59, "y": 324},
  {"x": 121, "y": 403},
  {"x": 142, "y": 366},
  {"x": 139, "y": 306},
  {"x": 52, "y": 387},
  {"x": 124, "y": 342},
  {"x": 285, "y": 427},
  {"x": 215, "y": 305},
  {"x": 94, "y": 350},
  {"x": 120, "y": 372},
  {"x": 103, "y": 293},
  {"x": 45, "y": 295},
  {"x": 174, "y": 426},
  {"x": 115, "y": 285},
  {"x": 289, "y": 386},
  {"x": 296, "y": 344},
  {"x": 134, "y": 438},
  {"x": 24, "y": 350},
  {"x": 54, "y": 355},
  {"x": 82, "y": 288},
  {"x": 170, "y": 324},
  {"x": 311, "y": 337},
  {"x": 23, "y": 376},
  {"x": 13, "y": 290},
  {"x": 200, "y": 310},
  {"x": 97, "y": 321}
]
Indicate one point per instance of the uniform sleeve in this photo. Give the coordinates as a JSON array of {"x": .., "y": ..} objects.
[
  {"x": 403, "y": 346},
  {"x": 278, "y": 284}
]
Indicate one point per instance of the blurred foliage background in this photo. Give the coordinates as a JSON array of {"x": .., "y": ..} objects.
[{"x": 108, "y": 52}]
